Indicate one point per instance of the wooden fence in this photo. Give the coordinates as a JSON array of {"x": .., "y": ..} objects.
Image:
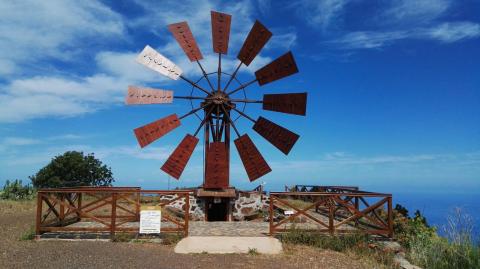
[
  {"x": 104, "y": 209},
  {"x": 344, "y": 210}
]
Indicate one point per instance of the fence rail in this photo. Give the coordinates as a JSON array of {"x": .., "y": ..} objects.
[
  {"x": 105, "y": 209},
  {"x": 336, "y": 210}
]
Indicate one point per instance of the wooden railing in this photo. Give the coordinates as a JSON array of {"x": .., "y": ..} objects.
[
  {"x": 105, "y": 209},
  {"x": 349, "y": 211}
]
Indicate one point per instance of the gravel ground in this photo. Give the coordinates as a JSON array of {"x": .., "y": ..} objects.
[{"x": 16, "y": 218}]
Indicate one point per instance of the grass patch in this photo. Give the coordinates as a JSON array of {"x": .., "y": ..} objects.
[
  {"x": 123, "y": 237},
  {"x": 356, "y": 244},
  {"x": 171, "y": 239},
  {"x": 253, "y": 251},
  {"x": 28, "y": 235}
]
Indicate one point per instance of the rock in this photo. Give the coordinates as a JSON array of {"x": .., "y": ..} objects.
[{"x": 404, "y": 263}]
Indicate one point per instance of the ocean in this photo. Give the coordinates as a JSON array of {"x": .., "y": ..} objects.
[{"x": 437, "y": 206}]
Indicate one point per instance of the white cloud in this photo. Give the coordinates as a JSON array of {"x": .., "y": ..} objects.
[
  {"x": 415, "y": 11},
  {"x": 452, "y": 32},
  {"x": 19, "y": 141},
  {"x": 445, "y": 32},
  {"x": 34, "y": 30},
  {"x": 320, "y": 13},
  {"x": 39, "y": 97},
  {"x": 368, "y": 40}
]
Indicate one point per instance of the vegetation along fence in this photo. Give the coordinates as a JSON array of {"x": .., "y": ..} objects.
[
  {"x": 106, "y": 209},
  {"x": 332, "y": 210}
]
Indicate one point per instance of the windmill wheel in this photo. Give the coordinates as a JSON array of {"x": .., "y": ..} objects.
[{"x": 218, "y": 103}]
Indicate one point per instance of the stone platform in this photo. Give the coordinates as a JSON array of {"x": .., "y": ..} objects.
[{"x": 228, "y": 244}]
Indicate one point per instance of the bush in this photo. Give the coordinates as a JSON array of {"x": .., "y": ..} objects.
[
  {"x": 73, "y": 169},
  {"x": 28, "y": 235},
  {"x": 457, "y": 250},
  {"x": 359, "y": 244},
  {"x": 337, "y": 243},
  {"x": 15, "y": 190}
]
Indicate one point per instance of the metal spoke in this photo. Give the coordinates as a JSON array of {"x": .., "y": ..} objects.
[
  {"x": 232, "y": 76},
  {"x": 246, "y": 101},
  {"x": 206, "y": 76},
  {"x": 243, "y": 114},
  {"x": 192, "y": 111},
  {"x": 203, "y": 121},
  {"x": 190, "y": 97},
  {"x": 243, "y": 86},
  {"x": 230, "y": 120},
  {"x": 195, "y": 85}
]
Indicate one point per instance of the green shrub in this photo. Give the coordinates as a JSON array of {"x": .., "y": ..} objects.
[
  {"x": 457, "y": 250},
  {"x": 15, "y": 190},
  {"x": 252, "y": 251},
  {"x": 171, "y": 239},
  {"x": 123, "y": 237},
  {"x": 337, "y": 243},
  {"x": 28, "y": 235}
]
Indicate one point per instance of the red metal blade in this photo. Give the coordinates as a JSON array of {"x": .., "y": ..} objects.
[
  {"x": 281, "y": 67},
  {"x": 256, "y": 39},
  {"x": 220, "y": 31},
  {"x": 177, "y": 161},
  {"x": 254, "y": 163},
  {"x": 216, "y": 170},
  {"x": 153, "y": 131},
  {"x": 291, "y": 103},
  {"x": 141, "y": 96},
  {"x": 281, "y": 138},
  {"x": 185, "y": 39}
]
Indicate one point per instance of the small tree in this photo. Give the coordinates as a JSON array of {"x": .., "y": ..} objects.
[
  {"x": 15, "y": 190},
  {"x": 71, "y": 169}
]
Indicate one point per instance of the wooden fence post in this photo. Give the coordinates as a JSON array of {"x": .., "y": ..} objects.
[
  {"x": 62, "y": 209},
  {"x": 331, "y": 216},
  {"x": 137, "y": 206},
  {"x": 114, "y": 215},
  {"x": 39, "y": 215},
  {"x": 390, "y": 218},
  {"x": 357, "y": 207},
  {"x": 79, "y": 206}
]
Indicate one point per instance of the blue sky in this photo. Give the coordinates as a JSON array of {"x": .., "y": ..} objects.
[{"x": 394, "y": 88}]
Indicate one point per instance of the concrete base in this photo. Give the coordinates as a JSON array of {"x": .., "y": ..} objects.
[{"x": 228, "y": 244}]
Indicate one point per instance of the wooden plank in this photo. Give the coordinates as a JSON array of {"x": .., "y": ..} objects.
[
  {"x": 142, "y": 96},
  {"x": 256, "y": 40},
  {"x": 216, "y": 170},
  {"x": 252, "y": 160},
  {"x": 177, "y": 161},
  {"x": 290, "y": 103},
  {"x": 220, "y": 31},
  {"x": 281, "y": 138},
  {"x": 281, "y": 67},
  {"x": 158, "y": 63},
  {"x": 153, "y": 131},
  {"x": 185, "y": 39}
]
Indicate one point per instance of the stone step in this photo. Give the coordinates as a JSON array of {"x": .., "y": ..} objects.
[{"x": 228, "y": 244}]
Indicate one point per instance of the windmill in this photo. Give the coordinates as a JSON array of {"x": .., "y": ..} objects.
[{"x": 218, "y": 103}]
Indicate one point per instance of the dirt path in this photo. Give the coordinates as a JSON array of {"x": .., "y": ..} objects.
[{"x": 16, "y": 218}]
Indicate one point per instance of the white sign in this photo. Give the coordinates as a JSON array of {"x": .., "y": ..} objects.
[
  {"x": 288, "y": 212},
  {"x": 150, "y": 220},
  {"x": 159, "y": 63}
]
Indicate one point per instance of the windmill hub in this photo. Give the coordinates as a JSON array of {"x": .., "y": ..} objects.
[{"x": 219, "y": 98}]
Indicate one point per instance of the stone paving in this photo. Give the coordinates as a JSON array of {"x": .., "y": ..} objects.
[{"x": 223, "y": 228}]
